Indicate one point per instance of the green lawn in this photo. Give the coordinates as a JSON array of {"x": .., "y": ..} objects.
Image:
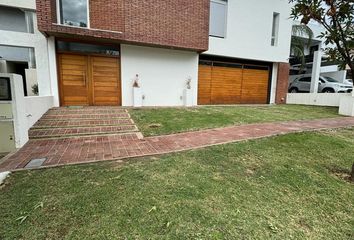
[
  {"x": 158, "y": 121},
  {"x": 286, "y": 187}
]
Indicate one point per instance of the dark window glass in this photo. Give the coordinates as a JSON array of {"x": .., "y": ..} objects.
[
  {"x": 306, "y": 79},
  {"x": 329, "y": 79},
  {"x": 73, "y": 13},
  {"x": 5, "y": 89},
  {"x": 87, "y": 48}
]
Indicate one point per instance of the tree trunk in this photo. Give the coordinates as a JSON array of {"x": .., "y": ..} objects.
[{"x": 352, "y": 174}]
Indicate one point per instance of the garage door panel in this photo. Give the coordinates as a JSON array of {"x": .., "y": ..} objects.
[
  {"x": 226, "y": 85},
  {"x": 255, "y": 86},
  {"x": 204, "y": 85}
]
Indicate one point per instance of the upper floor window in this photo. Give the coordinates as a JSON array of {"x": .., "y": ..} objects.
[
  {"x": 74, "y": 12},
  {"x": 16, "y": 20},
  {"x": 275, "y": 29},
  {"x": 218, "y": 16}
]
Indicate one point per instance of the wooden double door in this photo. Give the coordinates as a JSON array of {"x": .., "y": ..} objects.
[
  {"x": 89, "y": 80},
  {"x": 232, "y": 83}
]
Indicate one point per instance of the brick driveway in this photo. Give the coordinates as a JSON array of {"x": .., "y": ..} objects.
[{"x": 113, "y": 146}]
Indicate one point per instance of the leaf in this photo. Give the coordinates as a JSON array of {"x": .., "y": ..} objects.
[
  {"x": 39, "y": 205},
  {"x": 22, "y": 218},
  {"x": 273, "y": 228},
  {"x": 154, "y": 208}
]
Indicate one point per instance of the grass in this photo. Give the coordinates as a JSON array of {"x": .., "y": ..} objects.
[
  {"x": 285, "y": 187},
  {"x": 158, "y": 121}
]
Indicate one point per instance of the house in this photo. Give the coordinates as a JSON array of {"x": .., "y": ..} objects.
[
  {"x": 327, "y": 68},
  {"x": 23, "y": 49},
  {"x": 90, "y": 52}
]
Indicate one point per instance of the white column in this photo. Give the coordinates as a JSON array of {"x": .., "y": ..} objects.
[
  {"x": 316, "y": 70},
  {"x": 53, "y": 70},
  {"x": 274, "y": 83}
]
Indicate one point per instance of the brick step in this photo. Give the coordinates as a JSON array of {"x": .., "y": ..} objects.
[
  {"x": 92, "y": 137},
  {"x": 80, "y": 123},
  {"x": 85, "y": 116},
  {"x": 61, "y": 111},
  {"x": 80, "y": 131}
]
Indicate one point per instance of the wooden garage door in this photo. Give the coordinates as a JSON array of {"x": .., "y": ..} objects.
[
  {"x": 232, "y": 83},
  {"x": 89, "y": 80}
]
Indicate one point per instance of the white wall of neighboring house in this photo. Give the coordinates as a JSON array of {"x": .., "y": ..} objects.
[
  {"x": 35, "y": 40},
  {"x": 249, "y": 31},
  {"x": 27, "y": 4},
  {"x": 162, "y": 75}
]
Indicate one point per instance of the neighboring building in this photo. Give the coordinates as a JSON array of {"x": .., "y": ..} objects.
[
  {"x": 23, "y": 49},
  {"x": 97, "y": 48},
  {"x": 328, "y": 68}
]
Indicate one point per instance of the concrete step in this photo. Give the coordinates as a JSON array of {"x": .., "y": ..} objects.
[
  {"x": 80, "y": 131},
  {"x": 71, "y": 123}
]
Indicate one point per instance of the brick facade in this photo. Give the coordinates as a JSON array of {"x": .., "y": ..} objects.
[
  {"x": 181, "y": 24},
  {"x": 282, "y": 83}
]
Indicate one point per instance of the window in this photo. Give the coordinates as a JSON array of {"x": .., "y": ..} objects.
[
  {"x": 87, "y": 48},
  {"x": 305, "y": 79},
  {"x": 218, "y": 13},
  {"x": 16, "y": 20},
  {"x": 275, "y": 29},
  {"x": 74, "y": 12},
  {"x": 5, "y": 89}
]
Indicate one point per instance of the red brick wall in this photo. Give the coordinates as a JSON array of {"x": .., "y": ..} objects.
[
  {"x": 107, "y": 15},
  {"x": 181, "y": 24},
  {"x": 282, "y": 83}
]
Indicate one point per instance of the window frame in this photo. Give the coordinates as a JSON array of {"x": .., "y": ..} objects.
[
  {"x": 275, "y": 28},
  {"x": 59, "y": 15},
  {"x": 226, "y": 4}
]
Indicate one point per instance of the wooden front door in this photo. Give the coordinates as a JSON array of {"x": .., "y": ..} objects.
[{"x": 86, "y": 80}]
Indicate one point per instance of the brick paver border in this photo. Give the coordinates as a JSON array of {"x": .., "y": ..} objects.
[{"x": 90, "y": 149}]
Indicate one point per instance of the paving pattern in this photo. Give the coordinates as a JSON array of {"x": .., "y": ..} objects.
[
  {"x": 70, "y": 122},
  {"x": 113, "y": 146}
]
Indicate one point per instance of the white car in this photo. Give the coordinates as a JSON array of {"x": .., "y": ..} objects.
[
  {"x": 325, "y": 85},
  {"x": 348, "y": 81}
]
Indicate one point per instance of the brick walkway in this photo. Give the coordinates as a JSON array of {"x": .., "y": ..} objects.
[{"x": 86, "y": 149}]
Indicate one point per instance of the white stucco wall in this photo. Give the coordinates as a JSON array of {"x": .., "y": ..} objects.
[
  {"x": 316, "y": 99},
  {"x": 162, "y": 74},
  {"x": 249, "y": 31},
  {"x": 25, "y": 110},
  {"x": 35, "y": 107}
]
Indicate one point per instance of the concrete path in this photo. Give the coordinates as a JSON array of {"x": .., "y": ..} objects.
[{"x": 85, "y": 149}]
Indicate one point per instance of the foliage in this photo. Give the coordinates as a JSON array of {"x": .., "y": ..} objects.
[
  {"x": 337, "y": 18},
  {"x": 301, "y": 37},
  {"x": 35, "y": 89}
]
